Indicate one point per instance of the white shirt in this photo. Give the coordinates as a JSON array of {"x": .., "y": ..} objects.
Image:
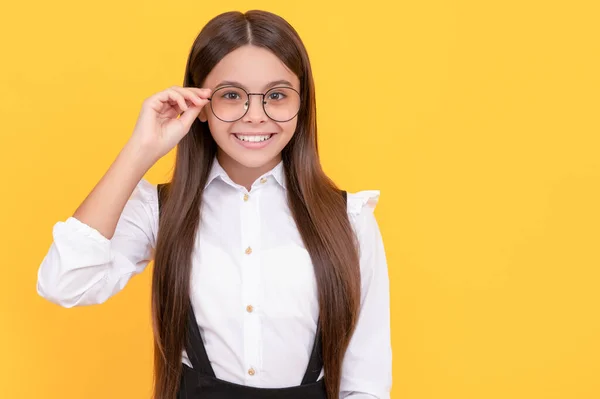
[{"x": 82, "y": 267}]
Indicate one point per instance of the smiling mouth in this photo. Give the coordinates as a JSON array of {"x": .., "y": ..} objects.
[{"x": 253, "y": 138}]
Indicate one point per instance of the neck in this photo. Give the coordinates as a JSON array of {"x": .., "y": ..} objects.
[{"x": 242, "y": 174}]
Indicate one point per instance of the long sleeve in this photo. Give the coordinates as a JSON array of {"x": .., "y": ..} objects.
[
  {"x": 82, "y": 267},
  {"x": 367, "y": 365}
]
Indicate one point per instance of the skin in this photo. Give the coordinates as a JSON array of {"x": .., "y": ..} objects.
[{"x": 254, "y": 68}]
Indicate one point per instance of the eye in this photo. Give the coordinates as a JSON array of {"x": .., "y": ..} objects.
[
  {"x": 231, "y": 95},
  {"x": 277, "y": 96}
]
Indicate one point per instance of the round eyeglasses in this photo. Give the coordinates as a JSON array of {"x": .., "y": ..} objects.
[{"x": 231, "y": 103}]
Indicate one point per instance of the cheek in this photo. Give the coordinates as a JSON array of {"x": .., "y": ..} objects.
[
  {"x": 218, "y": 129},
  {"x": 289, "y": 127}
]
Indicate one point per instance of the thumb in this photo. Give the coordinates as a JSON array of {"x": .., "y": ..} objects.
[{"x": 189, "y": 115}]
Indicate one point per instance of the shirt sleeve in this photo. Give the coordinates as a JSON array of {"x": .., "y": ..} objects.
[
  {"x": 82, "y": 267},
  {"x": 367, "y": 365}
]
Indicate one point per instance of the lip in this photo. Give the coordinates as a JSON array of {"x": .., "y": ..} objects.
[
  {"x": 253, "y": 145},
  {"x": 253, "y": 133}
]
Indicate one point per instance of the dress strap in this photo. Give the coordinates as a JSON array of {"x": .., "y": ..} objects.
[
  {"x": 194, "y": 346},
  {"x": 315, "y": 363}
]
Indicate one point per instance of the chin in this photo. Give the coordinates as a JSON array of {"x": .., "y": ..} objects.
[{"x": 253, "y": 159}]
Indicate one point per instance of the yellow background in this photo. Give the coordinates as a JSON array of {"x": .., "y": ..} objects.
[{"x": 477, "y": 120}]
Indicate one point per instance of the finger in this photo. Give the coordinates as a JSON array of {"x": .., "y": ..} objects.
[
  {"x": 188, "y": 117},
  {"x": 192, "y": 95},
  {"x": 202, "y": 92},
  {"x": 174, "y": 95},
  {"x": 162, "y": 102}
]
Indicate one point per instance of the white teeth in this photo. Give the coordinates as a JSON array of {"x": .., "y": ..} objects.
[{"x": 253, "y": 139}]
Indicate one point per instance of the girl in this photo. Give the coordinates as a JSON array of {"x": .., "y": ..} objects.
[{"x": 266, "y": 283}]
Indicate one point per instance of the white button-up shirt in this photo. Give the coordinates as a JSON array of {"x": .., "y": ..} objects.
[{"x": 253, "y": 287}]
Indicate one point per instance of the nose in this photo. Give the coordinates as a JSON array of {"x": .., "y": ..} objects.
[{"x": 256, "y": 112}]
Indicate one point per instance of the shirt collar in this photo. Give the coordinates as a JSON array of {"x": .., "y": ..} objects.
[{"x": 217, "y": 170}]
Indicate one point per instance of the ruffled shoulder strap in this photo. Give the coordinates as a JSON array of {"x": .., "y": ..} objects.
[{"x": 362, "y": 201}]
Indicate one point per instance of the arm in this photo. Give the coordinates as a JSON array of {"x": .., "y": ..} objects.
[
  {"x": 111, "y": 235},
  {"x": 109, "y": 238},
  {"x": 367, "y": 365}
]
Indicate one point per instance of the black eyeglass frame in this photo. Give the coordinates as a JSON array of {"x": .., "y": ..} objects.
[{"x": 263, "y": 102}]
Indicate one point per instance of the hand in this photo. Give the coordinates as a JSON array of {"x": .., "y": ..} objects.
[{"x": 158, "y": 128}]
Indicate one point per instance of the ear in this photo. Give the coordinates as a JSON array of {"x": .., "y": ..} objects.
[{"x": 202, "y": 115}]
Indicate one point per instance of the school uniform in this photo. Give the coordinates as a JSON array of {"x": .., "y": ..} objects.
[{"x": 253, "y": 294}]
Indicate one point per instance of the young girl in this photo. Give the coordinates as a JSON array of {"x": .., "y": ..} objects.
[{"x": 268, "y": 281}]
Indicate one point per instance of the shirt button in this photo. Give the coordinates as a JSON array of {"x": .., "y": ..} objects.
[
  {"x": 251, "y": 371},
  {"x": 246, "y": 196},
  {"x": 249, "y": 308},
  {"x": 248, "y": 251},
  {"x": 263, "y": 180}
]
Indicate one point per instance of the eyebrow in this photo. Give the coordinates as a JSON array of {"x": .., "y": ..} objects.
[{"x": 271, "y": 84}]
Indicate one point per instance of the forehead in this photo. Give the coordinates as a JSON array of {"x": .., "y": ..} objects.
[{"x": 254, "y": 67}]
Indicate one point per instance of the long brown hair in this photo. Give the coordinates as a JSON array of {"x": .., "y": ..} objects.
[{"x": 315, "y": 201}]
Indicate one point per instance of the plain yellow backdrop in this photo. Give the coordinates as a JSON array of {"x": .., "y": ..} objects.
[{"x": 478, "y": 121}]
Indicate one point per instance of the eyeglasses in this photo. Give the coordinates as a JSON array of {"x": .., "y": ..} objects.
[{"x": 231, "y": 103}]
